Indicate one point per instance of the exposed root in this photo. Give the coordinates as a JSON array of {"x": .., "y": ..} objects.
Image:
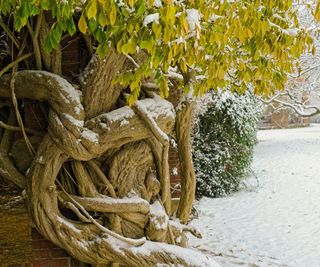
[{"x": 131, "y": 173}]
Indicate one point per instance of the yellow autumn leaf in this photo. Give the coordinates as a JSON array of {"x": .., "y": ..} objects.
[
  {"x": 150, "y": 3},
  {"x": 131, "y": 100},
  {"x": 170, "y": 55},
  {"x": 220, "y": 73},
  {"x": 183, "y": 66},
  {"x": 131, "y": 3},
  {"x": 113, "y": 15},
  {"x": 184, "y": 23},
  {"x": 92, "y": 10},
  {"x": 82, "y": 25}
]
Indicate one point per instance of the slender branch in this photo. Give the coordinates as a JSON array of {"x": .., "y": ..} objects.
[
  {"x": 14, "y": 63},
  {"x": 10, "y": 34},
  {"x": 76, "y": 211},
  {"x": 134, "y": 242},
  {"x": 7, "y": 168},
  {"x": 110, "y": 205},
  {"x": 18, "y": 116},
  {"x": 88, "y": 43},
  {"x": 43, "y": 33},
  {"x": 305, "y": 71},
  {"x": 16, "y": 128},
  {"x": 297, "y": 110},
  {"x": 102, "y": 177},
  {"x": 35, "y": 35},
  {"x": 133, "y": 61},
  {"x": 297, "y": 106},
  {"x": 163, "y": 138}
]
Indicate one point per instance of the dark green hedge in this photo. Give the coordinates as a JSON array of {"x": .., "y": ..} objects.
[{"x": 223, "y": 142}]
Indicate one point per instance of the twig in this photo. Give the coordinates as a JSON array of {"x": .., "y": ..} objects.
[
  {"x": 133, "y": 61},
  {"x": 137, "y": 242},
  {"x": 10, "y": 34},
  {"x": 163, "y": 138},
  {"x": 14, "y": 63},
  {"x": 35, "y": 34},
  {"x": 15, "y": 128},
  {"x": 102, "y": 177},
  {"x": 76, "y": 211},
  {"x": 18, "y": 116}
]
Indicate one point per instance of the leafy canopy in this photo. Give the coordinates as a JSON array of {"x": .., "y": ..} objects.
[{"x": 209, "y": 43}]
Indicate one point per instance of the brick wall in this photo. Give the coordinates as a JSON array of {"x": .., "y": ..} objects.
[
  {"x": 20, "y": 244},
  {"x": 47, "y": 254},
  {"x": 15, "y": 233},
  {"x": 174, "y": 166}
]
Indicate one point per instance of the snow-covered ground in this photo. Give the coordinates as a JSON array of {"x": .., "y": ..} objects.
[{"x": 276, "y": 220}]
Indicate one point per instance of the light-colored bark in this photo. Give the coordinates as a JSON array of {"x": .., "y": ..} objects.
[
  {"x": 122, "y": 136},
  {"x": 100, "y": 94},
  {"x": 188, "y": 178}
]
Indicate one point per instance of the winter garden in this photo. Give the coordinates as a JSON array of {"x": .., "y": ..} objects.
[{"x": 129, "y": 132}]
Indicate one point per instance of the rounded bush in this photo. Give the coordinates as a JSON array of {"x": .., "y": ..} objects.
[{"x": 223, "y": 140}]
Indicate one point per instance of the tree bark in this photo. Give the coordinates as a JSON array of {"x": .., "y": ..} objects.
[
  {"x": 100, "y": 94},
  {"x": 76, "y": 132},
  {"x": 188, "y": 178}
]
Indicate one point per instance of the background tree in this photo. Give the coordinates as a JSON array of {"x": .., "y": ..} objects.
[
  {"x": 301, "y": 93},
  {"x": 95, "y": 173}
]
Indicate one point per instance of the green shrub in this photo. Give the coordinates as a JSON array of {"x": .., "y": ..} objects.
[{"x": 223, "y": 141}]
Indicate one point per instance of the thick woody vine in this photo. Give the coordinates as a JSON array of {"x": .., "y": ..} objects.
[
  {"x": 106, "y": 166},
  {"x": 68, "y": 151},
  {"x": 96, "y": 174}
]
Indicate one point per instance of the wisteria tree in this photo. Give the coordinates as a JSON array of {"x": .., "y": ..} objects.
[{"x": 96, "y": 176}]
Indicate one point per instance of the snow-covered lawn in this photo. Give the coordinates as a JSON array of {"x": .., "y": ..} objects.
[{"x": 276, "y": 220}]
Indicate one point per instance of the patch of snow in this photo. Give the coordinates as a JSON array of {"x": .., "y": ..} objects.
[
  {"x": 116, "y": 244},
  {"x": 78, "y": 109},
  {"x": 190, "y": 256},
  {"x": 173, "y": 143},
  {"x": 68, "y": 223},
  {"x": 193, "y": 18},
  {"x": 57, "y": 119},
  {"x": 157, "y": 106},
  {"x": 158, "y": 214},
  {"x": 175, "y": 171},
  {"x": 73, "y": 120},
  {"x": 157, "y": 3},
  {"x": 276, "y": 222},
  {"x": 90, "y": 135},
  {"x": 124, "y": 122},
  {"x": 120, "y": 114},
  {"x": 151, "y": 18},
  {"x": 104, "y": 126},
  {"x": 82, "y": 244}
]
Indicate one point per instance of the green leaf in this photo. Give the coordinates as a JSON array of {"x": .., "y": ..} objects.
[{"x": 71, "y": 27}]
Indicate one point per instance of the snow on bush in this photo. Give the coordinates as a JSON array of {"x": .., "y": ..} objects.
[{"x": 223, "y": 140}]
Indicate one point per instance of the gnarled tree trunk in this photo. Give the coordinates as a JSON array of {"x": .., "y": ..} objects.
[{"x": 99, "y": 185}]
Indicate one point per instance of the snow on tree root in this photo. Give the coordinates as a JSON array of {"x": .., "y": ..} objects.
[{"x": 89, "y": 242}]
